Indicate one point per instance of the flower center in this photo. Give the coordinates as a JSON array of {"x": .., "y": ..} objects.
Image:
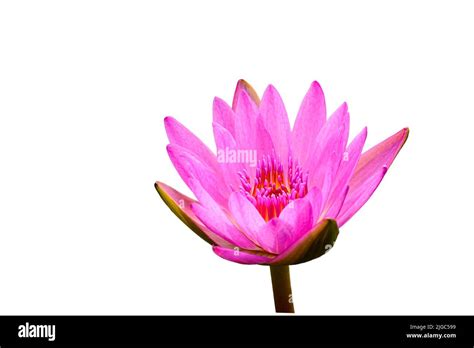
[{"x": 274, "y": 188}]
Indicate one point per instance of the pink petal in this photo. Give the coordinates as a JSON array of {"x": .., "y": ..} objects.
[
  {"x": 264, "y": 143},
  {"x": 246, "y": 123},
  {"x": 222, "y": 227},
  {"x": 243, "y": 85},
  {"x": 180, "y": 205},
  {"x": 369, "y": 171},
  {"x": 189, "y": 166},
  {"x": 250, "y": 133},
  {"x": 240, "y": 256},
  {"x": 180, "y": 135},
  {"x": 279, "y": 233},
  {"x": 299, "y": 216},
  {"x": 332, "y": 211},
  {"x": 275, "y": 236},
  {"x": 246, "y": 216},
  {"x": 223, "y": 115},
  {"x": 310, "y": 245},
  {"x": 275, "y": 120},
  {"x": 309, "y": 121},
  {"x": 213, "y": 217},
  {"x": 344, "y": 173},
  {"x": 357, "y": 196},
  {"x": 324, "y": 160},
  {"x": 314, "y": 197},
  {"x": 226, "y": 147},
  {"x": 382, "y": 154}
]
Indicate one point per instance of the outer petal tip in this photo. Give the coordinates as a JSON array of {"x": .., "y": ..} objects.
[
  {"x": 403, "y": 133},
  {"x": 179, "y": 204},
  {"x": 169, "y": 121},
  {"x": 243, "y": 85},
  {"x": 271, "y": 90},
  {"x": 218, "y": 101},
  {"x": 316, "y": 84},
  {"x": 401, "y": 138},
  {"x": 345, "y": 107},
  {"x": 407, "y": 132}
]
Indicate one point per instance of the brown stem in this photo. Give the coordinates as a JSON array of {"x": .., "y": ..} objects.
[{"x": 282, "y": 289}]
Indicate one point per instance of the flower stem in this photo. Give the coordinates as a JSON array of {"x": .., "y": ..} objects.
[{"x": 282, "y": 289}]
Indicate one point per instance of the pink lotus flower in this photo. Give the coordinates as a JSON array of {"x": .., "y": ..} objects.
[{"x": 273, "y": 195}]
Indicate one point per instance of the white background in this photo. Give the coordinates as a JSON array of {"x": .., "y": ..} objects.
[{"x": 84, "y": 87}]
